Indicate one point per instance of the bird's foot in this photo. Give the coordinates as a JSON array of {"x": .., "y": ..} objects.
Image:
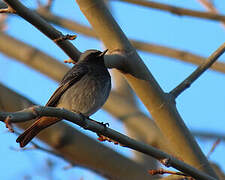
[{"x": 102, "y": 123}]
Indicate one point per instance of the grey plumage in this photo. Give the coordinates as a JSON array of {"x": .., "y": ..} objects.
[{"x": 84, "y": 89}]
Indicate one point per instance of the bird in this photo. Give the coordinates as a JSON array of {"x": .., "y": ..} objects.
[{"x": 84, "y": 89}]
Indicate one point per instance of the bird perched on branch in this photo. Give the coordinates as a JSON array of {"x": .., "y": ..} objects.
[{"x": 84, "y": 89}]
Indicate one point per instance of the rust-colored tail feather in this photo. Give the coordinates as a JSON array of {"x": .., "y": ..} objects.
[{"x": 35, "y": 128}]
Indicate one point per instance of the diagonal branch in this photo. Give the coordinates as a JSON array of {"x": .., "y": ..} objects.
[
  {"x": 88, "y": 124},
  {"x": 177, "y": 10},
  {"x": 44, "y": 27},
  {"x": 198, "y": 72}
]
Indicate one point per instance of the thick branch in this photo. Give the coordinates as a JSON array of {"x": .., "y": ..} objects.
[
  {"x": 177, "y": 10},
  {"x": 143, "y": 46},
  {"x": 198, "y": 72},
  {"x": 143, "y": 83},
  {"x": 38, "y": 111},
  {"x": 45, "y": 28}
]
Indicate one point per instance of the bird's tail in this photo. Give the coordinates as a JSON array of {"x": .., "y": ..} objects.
[{"x": 34, "y": 129}]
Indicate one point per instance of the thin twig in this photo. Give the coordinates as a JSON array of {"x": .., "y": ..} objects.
[
  {"x": 177, "y": 10},
  {"x": 28, "y": 114},
  {"x": 215, "y": 144},
  {"x": 198, "y": 72}
]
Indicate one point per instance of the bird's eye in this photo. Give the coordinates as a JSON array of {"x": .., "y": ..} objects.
[{"x": 97, "y": 53}]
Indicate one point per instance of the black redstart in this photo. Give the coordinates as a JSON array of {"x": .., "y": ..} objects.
[{"x": 84, "y": 89}]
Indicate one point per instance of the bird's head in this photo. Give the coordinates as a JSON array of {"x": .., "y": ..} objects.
[{"x": 92, "y": 56}]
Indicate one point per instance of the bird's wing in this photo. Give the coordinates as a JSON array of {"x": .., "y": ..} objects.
[{"x": 71, "y": 77}]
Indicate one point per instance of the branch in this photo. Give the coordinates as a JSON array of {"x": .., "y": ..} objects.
[
  {"x": 88, "y": 124},
  {"x": 45, "y": 28},
  {"x": 158, "y": 103},
  {"x": 210, "y": 7},
  {"x": 143, "y": 46},
  {"x": 75, "y": 146},
  {"x": 177, "y": 10},
  {"x": 198, "y": 72}
]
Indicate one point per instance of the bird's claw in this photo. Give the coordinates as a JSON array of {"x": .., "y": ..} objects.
[{"x": 103, "y": 124}]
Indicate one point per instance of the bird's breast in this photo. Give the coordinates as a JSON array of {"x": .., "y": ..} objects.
[{"x": 88, "y": 94}]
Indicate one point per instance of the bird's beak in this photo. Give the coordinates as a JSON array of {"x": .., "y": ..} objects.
[{"x": 103, "y": 53}]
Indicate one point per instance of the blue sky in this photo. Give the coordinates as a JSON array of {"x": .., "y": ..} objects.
[{"x": 201, "y": 106}]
